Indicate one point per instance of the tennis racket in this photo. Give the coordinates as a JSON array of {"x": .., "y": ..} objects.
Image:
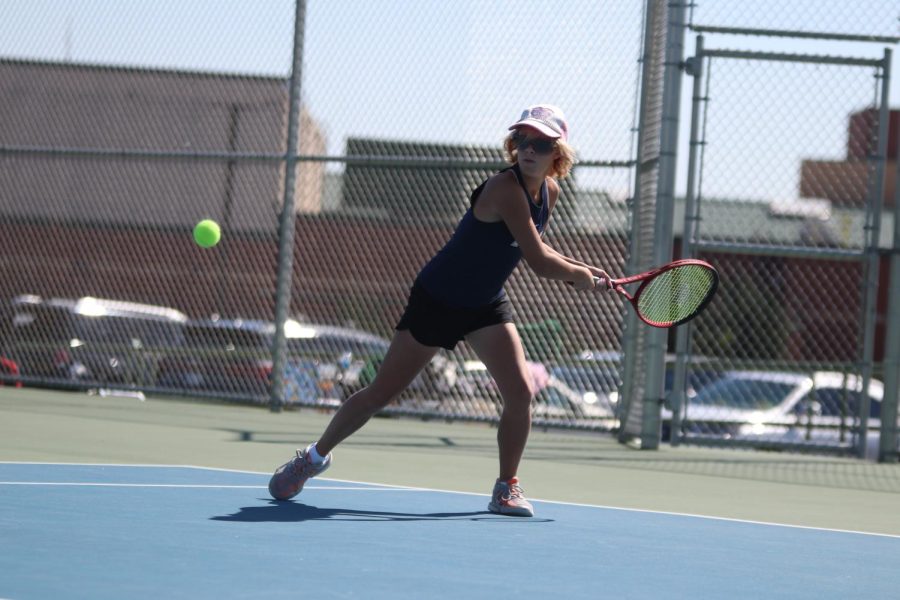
[{"x": 671, "y": 294}]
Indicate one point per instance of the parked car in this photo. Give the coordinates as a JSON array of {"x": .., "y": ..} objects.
[
  {"x": 352, "y": 355},
  {"x": 59, "y": 341},
  {"x": 324, "y": 363},
  {"x": 9, "y": 372},
  {"x": 597, "y": 384},
  {"x": 557, "y": 401},
  {"x": 9, "y": 369},
  {"x": 826, "y": 415},
  {"x": 358, "y": 354},
  {"x": 780, "y": 405},
  {"x": 599, "y": 370},
  {"x": 221, "y": 355},
  {"x": 554, "y": 400}
]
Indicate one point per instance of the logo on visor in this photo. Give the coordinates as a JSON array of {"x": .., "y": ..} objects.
[
  {"x": 546, "y": 116},
  {"x": 541, "y": 113}
]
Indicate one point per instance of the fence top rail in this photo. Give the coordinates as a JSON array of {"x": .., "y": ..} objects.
[
  {"x": 357, "y": 160},
  {"x": 820, "y": 59},
  {"x": 781, "y": 250},
  {"x": 818, "y": 35}
]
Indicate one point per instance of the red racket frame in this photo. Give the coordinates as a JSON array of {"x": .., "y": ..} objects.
[{"x": 648, "y": 276}]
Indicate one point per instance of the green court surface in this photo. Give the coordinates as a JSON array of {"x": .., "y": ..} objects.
[{"x": 822, "y": 492}]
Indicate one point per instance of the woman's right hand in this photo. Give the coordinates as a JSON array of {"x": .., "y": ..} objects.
[{"x": 584, "y": 281}]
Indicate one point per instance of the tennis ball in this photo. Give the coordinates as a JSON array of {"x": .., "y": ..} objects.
[{"x": 207, "y": 233}]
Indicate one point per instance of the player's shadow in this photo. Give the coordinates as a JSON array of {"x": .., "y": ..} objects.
[{"x": 294, "y": 512}]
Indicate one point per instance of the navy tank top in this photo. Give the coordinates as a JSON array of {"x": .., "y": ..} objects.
[{"x": 470, "y": 270}]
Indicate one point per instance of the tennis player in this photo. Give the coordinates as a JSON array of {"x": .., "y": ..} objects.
[{"x": 459, "y": 295}]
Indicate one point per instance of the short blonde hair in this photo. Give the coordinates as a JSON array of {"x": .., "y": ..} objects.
[{"x": 562, "y": 165}]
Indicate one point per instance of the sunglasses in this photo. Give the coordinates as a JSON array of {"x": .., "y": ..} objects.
[{"x": 539, "y": 144}]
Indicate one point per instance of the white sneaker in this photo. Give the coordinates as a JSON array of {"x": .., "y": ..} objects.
[
  {"x": 288, "y": 479},
  {"x": 508, "y": 498}
]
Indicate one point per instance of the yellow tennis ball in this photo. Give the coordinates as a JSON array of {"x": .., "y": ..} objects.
[{"x": 207, "y": 233}]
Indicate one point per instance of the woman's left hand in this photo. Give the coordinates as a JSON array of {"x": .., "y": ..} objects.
[{"x": 605, "y": 279}]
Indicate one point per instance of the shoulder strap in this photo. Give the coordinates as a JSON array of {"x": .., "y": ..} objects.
[
  {"x": 480, "y": 188},
  {"x": 545, "y": 203},
  {"x": 519, "y": 178}
]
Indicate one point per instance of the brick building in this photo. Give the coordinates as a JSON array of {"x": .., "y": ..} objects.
[
  {"x": 846, "y": 182},
  {"x": 60, "y": 106}
]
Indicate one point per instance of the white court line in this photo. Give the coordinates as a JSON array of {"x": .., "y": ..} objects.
[
  {"x": 127, "y": 485},
  {"x": 195, "y": 486},
  {"x": 388, "y": 487}
]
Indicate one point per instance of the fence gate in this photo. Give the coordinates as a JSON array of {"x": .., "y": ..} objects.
[{"x": 782, "y": 356}]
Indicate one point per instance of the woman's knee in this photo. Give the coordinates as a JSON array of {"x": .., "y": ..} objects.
[{"x": 518, "y": 397}]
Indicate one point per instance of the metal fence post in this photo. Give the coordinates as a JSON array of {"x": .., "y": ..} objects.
[
  {"x": 656, "y": 339},
  {"x": 887, "y": 447},
  {"x": 645, "y": 161},
  {"x": 682, "y": 335},
  {"x": 286, "y": 224},
  {"x": 873, "y": 220}
]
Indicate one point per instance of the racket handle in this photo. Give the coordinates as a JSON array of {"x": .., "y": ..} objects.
[
  {"x": 608, "y": 285},
  {"x": 597, "y": 281}
]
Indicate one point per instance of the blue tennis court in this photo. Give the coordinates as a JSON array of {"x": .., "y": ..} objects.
[{"x": 117, "y": 531}]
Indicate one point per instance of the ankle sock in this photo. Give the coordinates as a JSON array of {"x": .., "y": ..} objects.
[{"x": 314, "y": 455}]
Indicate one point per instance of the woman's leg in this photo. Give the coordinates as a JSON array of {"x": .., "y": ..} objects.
[
  {"x": 500, "y": 349},
  {"x": 404, "y": 360}
]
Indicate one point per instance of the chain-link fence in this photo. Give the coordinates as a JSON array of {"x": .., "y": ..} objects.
[
  {"x": 124, "y": 126},
  {"x": 823, "y": 19},
  {"x": 788, "y": 355},
  {"x": 110, "y": 159}
]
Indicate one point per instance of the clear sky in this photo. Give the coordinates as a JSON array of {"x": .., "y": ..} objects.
[{"x": 460, "y": 71}]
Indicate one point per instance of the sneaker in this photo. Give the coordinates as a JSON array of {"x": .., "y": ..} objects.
[
  {"x": 509, "y": 499},
  {"x": 289, "y": 478}
]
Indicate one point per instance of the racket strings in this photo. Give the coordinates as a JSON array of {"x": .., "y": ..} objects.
[{"x": 676, "y": 294}]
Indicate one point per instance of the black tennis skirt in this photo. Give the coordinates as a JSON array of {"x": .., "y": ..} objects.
[{"x": 432, "y": 323}]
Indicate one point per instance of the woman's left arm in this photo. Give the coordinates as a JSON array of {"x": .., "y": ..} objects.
[
  {"x": 595, "y": 270},
  {"x": 554, "y": 196}
]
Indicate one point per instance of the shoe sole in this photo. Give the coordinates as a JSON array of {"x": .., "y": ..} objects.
[
  {"x": 509, "y": 512},
  {"x": 283, "y": 498}
]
